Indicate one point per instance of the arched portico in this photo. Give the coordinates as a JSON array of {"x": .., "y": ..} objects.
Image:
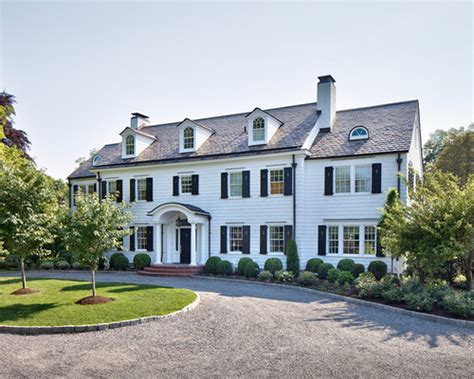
[{"x": 181, "y": 233}]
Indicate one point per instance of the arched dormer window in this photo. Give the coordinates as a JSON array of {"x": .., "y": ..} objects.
[
  {"x": 188, "y": 138},
  {"x": 96, "y": 160},
  {"x": 258, "y": 129},
  {"x": 130, "y": 145},
  {"x": 359, "y": 132}
]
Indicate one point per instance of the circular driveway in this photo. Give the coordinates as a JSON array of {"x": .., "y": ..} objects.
[{"x": 247, "y": 330}]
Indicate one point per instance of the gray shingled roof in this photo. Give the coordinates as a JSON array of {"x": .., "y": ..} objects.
[{"x": 390, "y": 127}]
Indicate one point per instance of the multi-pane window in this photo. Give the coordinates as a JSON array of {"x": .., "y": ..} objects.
[
  {"x": 277, "y": 182},
  {"x": 277, "y": 239},
  {"x": 351, "y": 237},
  {"x": 112, "y": 187},
  {"x": 236, "y": 238},
  {"x": 343, "y": 179},
  {"x": 90, "y": 189},
  {"x": 333, "y": 239},
  {"x": 130, "y": 145},
  {"x": 362, "y": 179},
  {"x": 141, "y": 189},
  {"x": 235, "y": 184},
  {"x": 259, "y": 129},
  {"x": 188, "y": 138},
  {"x": 141, "y": 238},
  {"x": 370, "y": 239},
  {"x": 186, "y": 184}
]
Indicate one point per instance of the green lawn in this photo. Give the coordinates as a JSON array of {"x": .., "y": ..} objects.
[{"x": 55, "y": 303}]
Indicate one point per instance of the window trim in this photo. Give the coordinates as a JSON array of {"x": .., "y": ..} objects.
[
  {"x": 229, "y": 192},
  {"x": 269, "y": 245},
  {"x": 137, "y": 227},
  {"x": 352, "y": 168},
  {"x": 369, "y": 166},
  {"x": 136, "y": 189},
  {"x": 181, "y": 193},
  {"x": 361, "y": 226},
  {"x": 269, "y": 183},
  {"x": 126, "y": 144},
  {"x": 335, "y": 180},
  {"x": 236, "y": 252},
  {"x": 260, "y": 141},
  {"x": 183, "y": 139},
  {"x": 358, "y": 138}
]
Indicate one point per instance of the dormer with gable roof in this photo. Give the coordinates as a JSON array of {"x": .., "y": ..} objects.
[
  {"x": 135, "y": 141},
  {"x": 192, "y": 135},
  {"x": 261, "y": 127}
]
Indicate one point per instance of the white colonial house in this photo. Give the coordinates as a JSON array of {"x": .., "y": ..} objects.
[{"x": 244, "y": 184}]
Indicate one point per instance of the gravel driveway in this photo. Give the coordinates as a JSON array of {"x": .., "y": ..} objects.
[{"x": 247, "y": 330}]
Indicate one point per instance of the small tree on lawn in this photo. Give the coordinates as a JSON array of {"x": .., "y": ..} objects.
[
  {"x": 292, "y": 258},
  {"x": 388, "y": 237},
  {"x": 94, "y": 227}
]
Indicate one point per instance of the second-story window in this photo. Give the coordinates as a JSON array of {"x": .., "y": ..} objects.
[
  {"x": 343, "y": 179},
  {"x": 363, "y": 178},
  {"x": 258, "y": 129},
  {"x": 277, "y": 182},
  {"x": 130, "y": 145},
  {"x": 186, "y": 184},
  {"x": 235, "y": 184},
  {"x": 141, "y": 189},
  {"x": 188, "y": 138}
]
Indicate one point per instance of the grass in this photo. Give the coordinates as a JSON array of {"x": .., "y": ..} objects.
[{"x": 54, "y": 304}]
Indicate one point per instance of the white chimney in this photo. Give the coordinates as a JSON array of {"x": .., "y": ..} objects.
[
  {"x": 326, "y": 101},
  {"x": 138, "y": 120}
]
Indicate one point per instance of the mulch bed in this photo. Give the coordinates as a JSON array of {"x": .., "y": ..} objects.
[
  {"x": 90, "y": 300},
  {"x": 24, "y": 291}
]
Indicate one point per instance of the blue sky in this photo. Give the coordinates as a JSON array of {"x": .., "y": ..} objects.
[{"x": 78, "y": 69}]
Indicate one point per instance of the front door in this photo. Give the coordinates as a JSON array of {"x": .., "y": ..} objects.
[{"x": 185, "y": 244}]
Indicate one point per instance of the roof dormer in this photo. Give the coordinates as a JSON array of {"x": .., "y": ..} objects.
[
  {"x": 192, "y": 135},
  {"x": 261, "y": 127},
  {"x": 134, "y": 142}
]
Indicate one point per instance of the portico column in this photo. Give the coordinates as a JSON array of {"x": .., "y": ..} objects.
[
  {"x": 193, "y": 244},
  {"x": 158, "y": 243},
  {"x": 203, "y": 243}
]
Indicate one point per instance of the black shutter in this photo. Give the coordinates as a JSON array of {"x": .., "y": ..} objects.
[
  {"x": 245, "y": 183},
  {"x": 149, "y": 189},
  {"x": 175, "y": 185},
  {"x": 223, "y": 239},
  {"x": 149, "y": 238},
  {"x": 321, "y": 239},
  {"x": 75, "y": 188},
  {"x": 224, "y": 176},
  {"x": 132, "y": 190},
  {"x": 377, "y": 178},
  {"x": 195, "y": 184},
  {"x": 288, "y": 235},
  {"x": 264, "y": 182},
  {"x": 263, "y": 239},
  {"x": 119, "y": 191},
  {"x": 246, "y": 239},
  {"x": 288, "y": 181},
  {"x": 132, "y": 238},
  {"x": 103, "y": 193},
  {"x": 379, "y": 252},
  {"x": 328, "y": 180},
  {"x": 95, "y": 187}
]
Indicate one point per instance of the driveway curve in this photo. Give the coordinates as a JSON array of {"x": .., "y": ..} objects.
[{"x": 248, "y": 330}]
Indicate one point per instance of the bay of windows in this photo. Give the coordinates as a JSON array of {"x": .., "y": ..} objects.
[
  {"x": 186, "y": 184},
  {"x": 351, "y": 239},
  {"x": 141, "y": 189},
  {"x": 277, "y": 239},
  {"x": 259, "y": 129},
  {"x": 141, "y": 238},
  {"x": 235, "y": 184},
  {"x": 236, "y": 239},
  {"x": 277, "y": 182}
]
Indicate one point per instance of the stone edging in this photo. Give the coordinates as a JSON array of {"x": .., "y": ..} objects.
[
  {"x": 423, "y": 316},
  {"x": 36, "y": 330}
]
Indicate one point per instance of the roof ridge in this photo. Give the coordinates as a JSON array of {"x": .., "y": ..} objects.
[{"x": 378, "y": 105}]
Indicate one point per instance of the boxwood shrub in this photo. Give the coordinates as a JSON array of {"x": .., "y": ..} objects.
[
  {"x": 344, "y": 277},
  {"x": 224, "y": 268},
  {"x": 118, "y": 262},
  {"x": 273, "y": 265},
  {"x": 307, "y": 278},
  {"x": 265, "y": 276},
  {"x": 212, "y": 265},
  {"x": 324, "y": 269},
  {"x": 357, "y": 270},
  {"x": 47, "y": 265},
  {"x": 313, "y": 264},
  {"x": 332, "y": 275},
  {"x": 241, "y": 265},
  {"x": 346, "y": 264},
  {"x": 62, "y": 265},
  {"x": 378, "y": 268},
  {"x": 251, "y": 269},
  {"x": 141, "y": 260}
]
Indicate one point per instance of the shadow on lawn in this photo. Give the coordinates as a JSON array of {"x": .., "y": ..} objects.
[
  {"x": 121, "y": 287},
  {"x": 16, "y": 312}
]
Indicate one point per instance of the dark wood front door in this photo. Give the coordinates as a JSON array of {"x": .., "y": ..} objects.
[{"x": 185, "y": 244}]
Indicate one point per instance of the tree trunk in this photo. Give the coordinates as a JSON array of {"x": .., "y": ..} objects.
[
  {"x": 23, "y": 274},
  {"x": 469, "y": 272},
  {"x": 93, "y": 283}
]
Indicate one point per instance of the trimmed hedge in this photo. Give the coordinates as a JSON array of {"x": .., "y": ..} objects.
[
  {"x": 141, "y": 260},
  {"x": 357, "y": 270},
  {"x": 62, "y": 265},
  {"x": 242, "y": 263},
  {"x": 313, "y": 265},
  {"x": 346, "y": 264},
  {"x": 324, "y": 269},
  {"x": 265, "y": 276},
  {"x": 118, "y": 262},
  {"x": 273, "y": 265},
  {"x": 212, "y": 265},
  {"x": 47, "y": 265},
  {"x": 251, "y": 270},
  {"x": 224, "y": 268},
  {"x": 378, "y": 268},
  {"x": 307, "y": 278},
  {"x": 333, "y": 274}
]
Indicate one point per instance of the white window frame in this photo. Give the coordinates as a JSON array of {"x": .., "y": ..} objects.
[
  {"x": 366, "y": 240},
  {"x": 328, "y": 250},
  {"x": 137, "y": 192},
  {"x": 126, "y": 145},
  {"x": 229, "y": 244},
  {"x": 137, "y": 244},
  {"x": 352, "y": 137},
  {"x": 229, "y": 184},
  {"x": 270, "y": 181},
  {"x": 352, "y": 174},
  {"x": 335, "y": 179},
  {"x": 369, "y": 167},
  {"x": 109, "y": 182},
  {"x": 183, "y": 138},
  {"x": 269, "y": 239},
  {"x": 361, "y": 227},
  {"x": 259, "y": 141},
  {"x": 181, "y": 184}
]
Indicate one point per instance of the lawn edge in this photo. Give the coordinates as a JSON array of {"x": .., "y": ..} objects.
[
  {"x": 37, "y": 330},
  {"x": 419, "y": 315}
]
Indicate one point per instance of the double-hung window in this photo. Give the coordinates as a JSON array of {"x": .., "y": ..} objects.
[
  {"x": 277, "y": 182},
  {"x": 90, "y": 189},
  {"x": 188, "y": 138},
  {"x": 236, "y": 239},
  {"x": 370, "y": 239},
  {"x": 235, "y": 184},
  {"x": 258, "y": 130},
  {"x": 363, "y": 178},
  {"x": 277, "y": 239},
  {"x": 343, "y": 179},
  {"x": 141, "y": 189},
  {"x": 129, "y": 145},
  {"x": 351, "y": 239},
  {"x": 333, "y": 239},
  {"x": 141, "y": 238},
  {"x": 112, "y": 186},
  {"x": 186, "y": 184}
]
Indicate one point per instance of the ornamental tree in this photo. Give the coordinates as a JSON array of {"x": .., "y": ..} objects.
[{"x": 94, "y": 227}]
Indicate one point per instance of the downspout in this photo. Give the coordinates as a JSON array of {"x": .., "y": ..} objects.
[
  {"x": 70, "y": 192},
  {"x": 399, "y": 163},
  {"x": 293, "y": 165},
  {"x": 209, "y": 237},
  {"x": 99, "y": 186}
]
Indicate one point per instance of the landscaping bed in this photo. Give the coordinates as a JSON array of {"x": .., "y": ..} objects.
[{"x": 54, "y": 303}]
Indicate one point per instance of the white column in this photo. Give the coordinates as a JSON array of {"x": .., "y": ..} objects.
[
  {"x": 170, "y": 245},
  {"x": 193, "y": 244},
  {"x": 158, "y": 243},
  {"x": 203, "y": 243}
]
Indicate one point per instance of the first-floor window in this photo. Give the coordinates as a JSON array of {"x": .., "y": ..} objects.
[
  {"x": 370, "y": 239},
  {"x": 277, "y": 239},
  {"x": 333, "y": 239},
  {"x": 186, "y": 184},
  {"x": 235, "y": 238},
  {"x": 113, "y": 186},
  {"x": 90, "y": 189},
  {"x": 351, "y": 239},
  {"x": 141, "y": 189},
  {"x": 141, "y": 238}
]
